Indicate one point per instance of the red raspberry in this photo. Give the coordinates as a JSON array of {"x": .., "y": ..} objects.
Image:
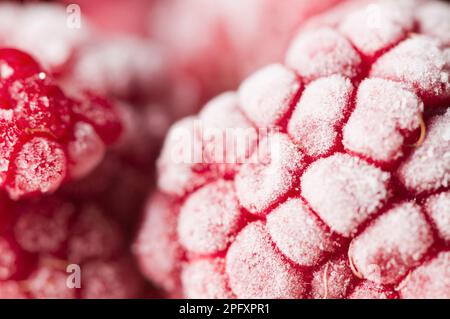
[
  {"x": 340, "y": 188},
  {"x": 47, "y": 137},
  {"x": 48, "y": 235}
]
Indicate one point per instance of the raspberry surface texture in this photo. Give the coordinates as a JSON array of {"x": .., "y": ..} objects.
[
  {"x": 87, "y": 62},
  {"x": 327, "y": 176},
  {"x": 81, "y": 124},
  {"x": 47, "y": 137}
]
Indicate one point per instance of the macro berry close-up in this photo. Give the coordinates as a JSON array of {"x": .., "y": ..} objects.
[
  {"x": 226, "y": 149},
  {"x": 47, "y": 137},
  {"x": 326, "y": 175}
]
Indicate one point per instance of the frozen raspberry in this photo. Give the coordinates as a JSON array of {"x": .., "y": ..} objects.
[
  {"x": 50, "y": 238},
  {"x": 136, "y": 71},
  {"x": 344, "y": 192},
  {"x": 47, "y": 138}
]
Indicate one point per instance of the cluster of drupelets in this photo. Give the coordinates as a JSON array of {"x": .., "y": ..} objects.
[
  {"x": 346, "y": 196},
  {"x": 84, "y": 107}
]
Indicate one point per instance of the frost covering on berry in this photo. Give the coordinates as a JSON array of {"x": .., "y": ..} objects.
[
  {"x": 47, "y": 137},
  {"x": 347, "y": 193}
]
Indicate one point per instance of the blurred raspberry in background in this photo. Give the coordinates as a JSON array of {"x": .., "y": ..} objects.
[
  {"x": 124, "y": 67},
  {"x": 215, "y": 44},
  {"x": 210, "y": 45}
]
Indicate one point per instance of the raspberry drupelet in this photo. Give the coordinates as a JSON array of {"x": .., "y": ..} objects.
[
  {"x": 346, "y": 196},
  {"x": 47, "y": 137}
]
